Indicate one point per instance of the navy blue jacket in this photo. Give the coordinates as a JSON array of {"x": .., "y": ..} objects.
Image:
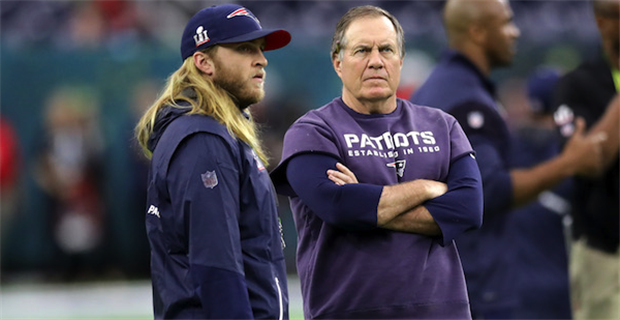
[
  {"x": 216, "y": 245},
  {"x": 459, "y": 88},
  {"x": 539, "y": 234}
]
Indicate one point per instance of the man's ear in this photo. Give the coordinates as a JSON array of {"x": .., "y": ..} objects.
[
  {"x": 204, "y": 63},
  {"x": 337, "y": 65},
  {"x": 477, "y": 33}
]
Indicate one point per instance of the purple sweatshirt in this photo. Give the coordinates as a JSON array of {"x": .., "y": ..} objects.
[{"x": 377, "y": 273}]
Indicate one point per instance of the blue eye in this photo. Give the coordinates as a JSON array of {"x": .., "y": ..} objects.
[{"x": 360, "y": 50}]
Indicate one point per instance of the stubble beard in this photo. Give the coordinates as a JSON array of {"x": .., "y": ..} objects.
[{"x": 497, "y": 60}]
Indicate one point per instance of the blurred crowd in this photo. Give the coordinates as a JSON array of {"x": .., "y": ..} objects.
[
  {"x": 121, "y": 24},
  {"x": 76, "y": 75}
]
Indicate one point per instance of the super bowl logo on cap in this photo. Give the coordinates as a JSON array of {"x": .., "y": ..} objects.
[
  {"x": 242, "y": 12},
  {"x": 201, "y": 36}
]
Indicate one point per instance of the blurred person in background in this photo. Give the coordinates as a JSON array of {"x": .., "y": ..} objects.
[
  {"x": 10, "y": 167},
  {"x": 212, "y": 218},
  {"x": 69, "y": 171},
  {"x": 541, "y": 228},
  {"x": 136, "y": 260},
  {"x": 116, "y": 26},
  {"x": 382, "y": 248},
  {"x": 481, "y": 37},
  {"x": 591, "y": 91},
  {"x": 113, "y": 25}
]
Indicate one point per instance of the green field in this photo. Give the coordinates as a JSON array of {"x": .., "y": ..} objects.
[{"x": 94, "y": 301}]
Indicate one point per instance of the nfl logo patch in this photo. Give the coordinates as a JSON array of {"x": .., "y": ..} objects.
[
  {"x": 209, "y": 179},
  {"x": 475, "y": 119}
]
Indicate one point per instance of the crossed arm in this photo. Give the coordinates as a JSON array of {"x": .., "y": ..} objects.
[
  {"x": 420, "y": 206},
  {"x": 400, "y": 206}
]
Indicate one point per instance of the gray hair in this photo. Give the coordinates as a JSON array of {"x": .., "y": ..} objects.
[{"x": 339, "y": 40}]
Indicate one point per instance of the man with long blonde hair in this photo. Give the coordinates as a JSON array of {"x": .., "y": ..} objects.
[{"x": 216, "y": 245}]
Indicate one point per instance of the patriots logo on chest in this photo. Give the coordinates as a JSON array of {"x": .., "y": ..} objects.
[{"x": 399, "y": 165}]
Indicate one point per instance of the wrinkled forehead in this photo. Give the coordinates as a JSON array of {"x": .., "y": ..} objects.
[{"x": 371, "y": 30}]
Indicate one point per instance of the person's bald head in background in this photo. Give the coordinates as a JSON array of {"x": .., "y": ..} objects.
[
  {"x": 607, "y": 15},
  {"x": 482, "y": 30}
]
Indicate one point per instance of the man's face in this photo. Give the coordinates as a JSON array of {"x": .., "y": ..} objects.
[
  {"x": 371, "y": 64},
  {"x": 502, "y": 34},
  {"x": 239, "y": 69}
]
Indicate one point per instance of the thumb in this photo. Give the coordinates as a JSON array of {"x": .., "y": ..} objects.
[{"x": 580, "y": 126}]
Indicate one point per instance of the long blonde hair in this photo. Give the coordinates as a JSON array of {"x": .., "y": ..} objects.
[{"x": 210, "y": 100}]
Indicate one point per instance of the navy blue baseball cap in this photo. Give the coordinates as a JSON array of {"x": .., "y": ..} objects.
[
  {"x": 540, "y": 90},
  {"x": 229, "y": 23}
]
